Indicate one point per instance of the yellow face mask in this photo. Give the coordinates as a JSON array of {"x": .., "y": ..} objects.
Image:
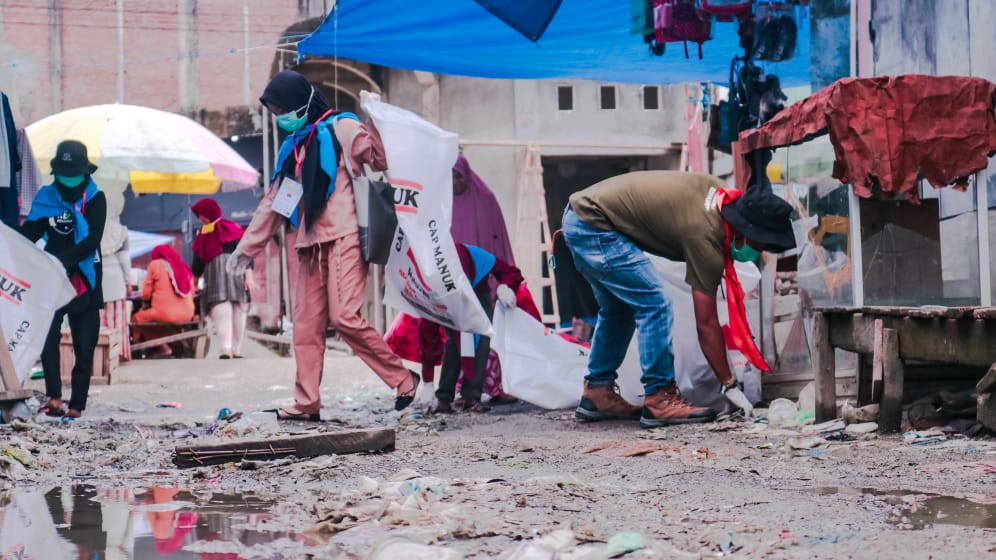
[{"x": 208, "y": 228}]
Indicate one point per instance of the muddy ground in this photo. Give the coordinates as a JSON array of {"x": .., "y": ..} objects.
[{"x": 518, "y": 482}]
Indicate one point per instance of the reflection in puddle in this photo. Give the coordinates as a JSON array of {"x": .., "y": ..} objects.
[
  {"x": 84, "y": 522},
  {"x": 917, "y": 510}
]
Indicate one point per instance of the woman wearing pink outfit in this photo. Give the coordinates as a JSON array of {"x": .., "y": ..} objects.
[{"x": 332, "y": 277}]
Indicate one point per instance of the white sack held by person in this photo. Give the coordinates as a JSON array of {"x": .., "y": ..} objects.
[
  {"x": 541, "y": 368},
  {"x": 33, "y": 285},
  {"x": 424, "y": 276}
]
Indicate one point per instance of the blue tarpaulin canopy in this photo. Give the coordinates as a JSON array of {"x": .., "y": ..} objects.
[{"x": 586, "y": 39}]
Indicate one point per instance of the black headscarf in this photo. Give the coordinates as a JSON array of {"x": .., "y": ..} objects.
[{"x": 291, "y": 90}]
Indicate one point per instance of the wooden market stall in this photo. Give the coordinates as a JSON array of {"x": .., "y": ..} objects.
[{"x": 890, "y": 135}]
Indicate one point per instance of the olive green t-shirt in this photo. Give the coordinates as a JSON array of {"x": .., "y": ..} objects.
[{"x": 668, "y": 213}]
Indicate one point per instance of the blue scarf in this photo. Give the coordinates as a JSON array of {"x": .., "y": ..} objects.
[
  {"x": 483, "y": 263},
  {"x": 326, "y": 153},
  {"x": 48, "y": 203}
]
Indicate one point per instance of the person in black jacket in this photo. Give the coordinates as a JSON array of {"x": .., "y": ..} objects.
[{"x": 69, "y": 214}]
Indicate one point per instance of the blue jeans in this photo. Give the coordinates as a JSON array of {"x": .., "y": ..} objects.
[{"x": 630, "y": 296}]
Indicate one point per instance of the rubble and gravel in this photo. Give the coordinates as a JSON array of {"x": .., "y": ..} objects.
[{"x": 517, "y": 483}]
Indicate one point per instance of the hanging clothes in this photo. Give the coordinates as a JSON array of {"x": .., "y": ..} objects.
[{"x": 10, "y": 164}]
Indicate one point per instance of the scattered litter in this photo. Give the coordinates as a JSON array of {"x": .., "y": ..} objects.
[
  {"x": 396, "y": 548},
  {"x": 623, "y": 543},
  {"x": 39, "y": 374},
  {"x": 718, "y": 540},
  {"x": 764, "y": 446},
  {"x": 805, "y": 417},
  {"x": 629, "y": 448},
  {"x": 543, "y": 548},
  {"x": 256, "y": 423},
  {"x": 782, "y": 412},
  {"x": 826, "y": 539},
  {"x": 807, "y": 399},
  {"x": 576, "y": 486},
  {"x": 20, "y": 455},
  {"x": 171, "y": 404},
  {"x": 862, "y": 428},
  {"x": 704, "y": 453},
  {"x": 718, "y": 426},
  {"x": 924, "y": 437},
  {"x": 824, "y": 427},
  {"x": 840, "y": 435},
  {"x": 806, "y": 443},
  {"x": 20, "y": 425},
  {"x": 133, "y": 409},
  {"x": 224, "y": 413},
  {"x": 654, "y": 433},
  {"x": 854, "y": 415}
]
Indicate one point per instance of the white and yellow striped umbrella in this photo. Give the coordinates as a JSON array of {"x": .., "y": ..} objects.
[{"x": 155, "y": 151}]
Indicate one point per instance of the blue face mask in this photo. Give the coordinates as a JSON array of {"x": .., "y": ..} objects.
[
  {"x": 290, "y": 121},
  {"x": 745, "y": 253},
  {"x": 71, "y": 182}
]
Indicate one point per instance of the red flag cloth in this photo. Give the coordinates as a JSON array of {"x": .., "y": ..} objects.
[
  {"x": 888, "y": 130},
  {"x": 738, "y": 334}
]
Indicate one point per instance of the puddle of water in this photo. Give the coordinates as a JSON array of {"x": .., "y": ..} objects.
[
  {"x": 83, "y": 521},
  {"x": 917, "y": 510}
]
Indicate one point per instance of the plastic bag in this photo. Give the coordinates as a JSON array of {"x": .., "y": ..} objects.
[
  {"x": 696, "y": 380},
  {"x": 424, "y": 276},
  {"x": 540, "y": 367},
  {"x": 33, "y": 286}
]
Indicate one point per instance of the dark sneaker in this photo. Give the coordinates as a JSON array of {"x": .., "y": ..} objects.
[
  {"x": 604, "y": 403},
  {"x": 667, "y": 406}
]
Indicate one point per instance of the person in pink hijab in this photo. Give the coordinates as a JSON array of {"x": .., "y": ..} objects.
[{"x": 477, "y": 217}]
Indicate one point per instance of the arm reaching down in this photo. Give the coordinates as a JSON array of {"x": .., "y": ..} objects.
[{"x": 711, "y": 335}]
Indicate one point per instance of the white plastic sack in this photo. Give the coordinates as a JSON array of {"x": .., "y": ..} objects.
[
  {"x": 537, "y": 365},
  {"x": 33, "y": 286},
  {"x": 424, "y": 276},
  {"x": 696, "y": 380},
  {"x": 541, "y": 368}
]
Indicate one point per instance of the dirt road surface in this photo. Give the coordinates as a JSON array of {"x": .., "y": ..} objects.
[{"x": 518, "y": 482}]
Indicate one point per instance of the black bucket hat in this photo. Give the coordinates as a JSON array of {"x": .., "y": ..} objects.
[
  {"x": 71, "y": 160},
  {"x": 760, "y": 215}
]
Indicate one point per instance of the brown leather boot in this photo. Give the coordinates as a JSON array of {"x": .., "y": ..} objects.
[
  {"x": 604, "y": 403},
  {"x": 667, "y": 406}
]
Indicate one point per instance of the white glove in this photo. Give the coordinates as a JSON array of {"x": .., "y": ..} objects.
[
  {"x": 425, "y": 396},
  {"x": 237, "y": 263},
  {"x": 506, "y": 296},
  {"x": 739, "y": 400}
]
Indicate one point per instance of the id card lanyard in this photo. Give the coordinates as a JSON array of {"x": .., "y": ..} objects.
[{"x": 300, "y": 154}]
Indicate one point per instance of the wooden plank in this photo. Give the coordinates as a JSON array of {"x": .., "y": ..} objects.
[
  {"x": 328, "y": 443},
  {"x": 168, "y": 339},
  {"x": 825, "y": 366},
  {"x": 877, "y": 363},
  {"x": 892, "y": 391},
  {"x": 201, "y": 347},
  {"x": 16, "y": 395},
  {"x": 854, "y": 333},
  {"x": 959, "y": 341},
  {"x": 984, "y": 313}
]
